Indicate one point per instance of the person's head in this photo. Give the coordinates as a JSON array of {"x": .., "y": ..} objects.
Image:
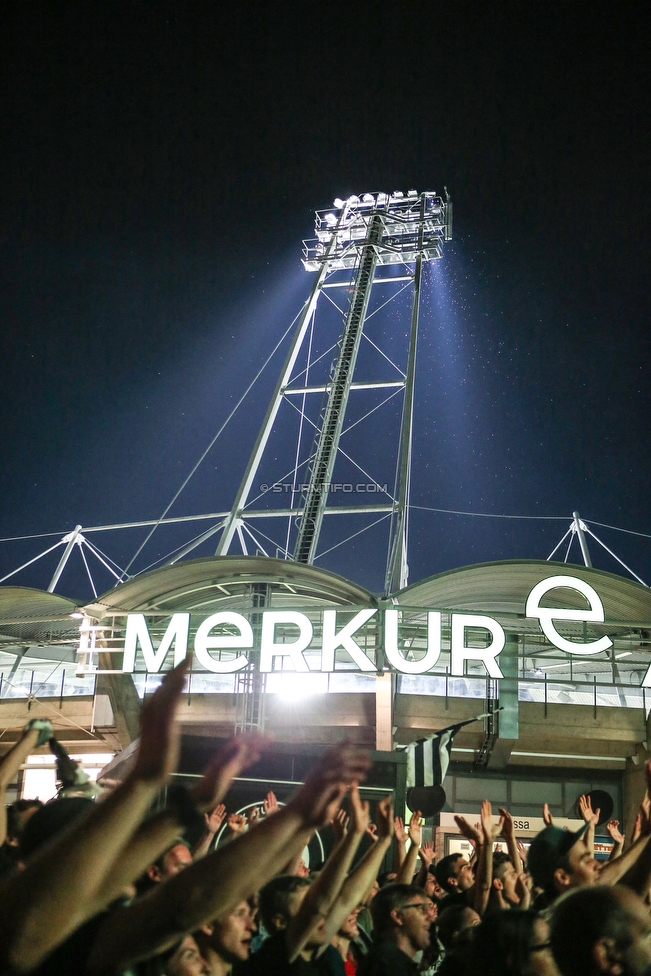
[
  {"x": 505, "y": 878},
  {"x": 453, "y": 922},
  {"x": 513, "y": 944},
  {"x": 174, "y": 859},
  {"x": 432, "y": 886},
  {"x": 230, "y": 937},
  {"x": 349, "y": 928},
  {"x": 49, "y": 820},
  {"x": 187, "y": 960},
  {"x": 402, "y": 914},
  {"x": 559, "y": 860},
  {"x": 454, "y": 873},
  {"x": 601, "y": 931},
  {"x": 18, "y": 814},
  {"x": 280, "y": 900}
]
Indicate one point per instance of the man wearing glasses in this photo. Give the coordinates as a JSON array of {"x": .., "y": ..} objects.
[{"x": 402, "y": 916}]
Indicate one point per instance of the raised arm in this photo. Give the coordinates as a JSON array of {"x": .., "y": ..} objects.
[
  {"x": 320, "y": 899},
  {"x": 159, "y": 832},
  {"x": 209, "y": 888},
  {"x": 12, "y": 761},
  {"x": 359, "y": 881},
  {"x": 408, "y": 866},
  {"x": 508, "y": 835},
  {"x": 484, "y": 878},
  {"x": 61, "y": 887},
  {"x": 426, "y": 857},
  {"x": 400, "y": 835},
  {"x": 617, "y": 838},
  {"x": 591, "y": 817}
]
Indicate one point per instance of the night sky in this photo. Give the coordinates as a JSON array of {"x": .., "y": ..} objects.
[{"x": 161, "y": 165}]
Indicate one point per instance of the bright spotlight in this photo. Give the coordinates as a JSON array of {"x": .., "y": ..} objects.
[
  {"x": 294, "y": 686},
  {"x": 330, "y": 219},
  {"x": 339, "y": 203}
]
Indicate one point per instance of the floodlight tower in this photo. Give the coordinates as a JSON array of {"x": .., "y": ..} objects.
[{"x": 355, "y": 239}]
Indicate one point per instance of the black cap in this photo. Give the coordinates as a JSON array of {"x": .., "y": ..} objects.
[{"x": 547, "y": 850}]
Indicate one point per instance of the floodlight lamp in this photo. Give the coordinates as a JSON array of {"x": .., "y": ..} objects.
[
  {"x": 330, "y": 219},
  {"x": 398, "y": 194},
  {"x": 339, "y": 203},
  {"x": 382, "y": 199},
  {"x": 77, "y": 615},
  {"x": 412, "y": 193},
  {"x": 368, "y": 198},
  {"x": 353, "y": 200}
]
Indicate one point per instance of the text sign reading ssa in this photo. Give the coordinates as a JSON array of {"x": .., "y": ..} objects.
[{"x": 336, "y": 637}]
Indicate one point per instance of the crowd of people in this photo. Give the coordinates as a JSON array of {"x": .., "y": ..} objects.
[{"x": 105, "y": 886}]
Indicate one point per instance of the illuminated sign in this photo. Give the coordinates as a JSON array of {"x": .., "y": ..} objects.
[{"x": 285, "y": 635}]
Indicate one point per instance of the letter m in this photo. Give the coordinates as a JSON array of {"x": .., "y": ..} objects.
[{"x": 137, "y": 630}]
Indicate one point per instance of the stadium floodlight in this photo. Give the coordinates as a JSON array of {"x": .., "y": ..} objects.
[
  {"x": 351, "y": 247},
  {"x": 338, "y": 203},
  {"x": 412, "y": 193}
]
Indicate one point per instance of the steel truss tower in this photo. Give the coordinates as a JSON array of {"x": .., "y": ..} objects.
[{"x": 355, "y": 240}]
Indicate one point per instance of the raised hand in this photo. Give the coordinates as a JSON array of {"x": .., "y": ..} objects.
[
  {"x": 227, "y": 763},
  {"x": 360, "y": 816},
  {"x": 613, "y": 829},
  {"x": 415, "y": 829},
  {"x": 270, "y": 804},
  {"x": 384, "y": 817},
  {"x": 158, "y": 750},
  {"x": 399, "y": 830},
  {"x": 252, "y": 816},
  {"x": 215, "y": 818},
  {"x": 523, "y": 890},
  {"x": 236, "y": 823},
  {"x": 427, "y": 852},
  {"x": 371, "y": 831},
  {"x": 490, "y": 830},
  {"x": 340, "y": 823},
  {"x": 547, "y": 816},
  {"x": 508, "y": 829},
  {"x": 585, "y": 809},
  {"x": 468, "y": 831},
  {"x": 320, "y": 796}
]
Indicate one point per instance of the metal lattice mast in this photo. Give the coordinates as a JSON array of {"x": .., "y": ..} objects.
[
  {"x": 355, "y": 239},
  {"x": 335, "y": 411},
  {"x": 232, "y": 520}
]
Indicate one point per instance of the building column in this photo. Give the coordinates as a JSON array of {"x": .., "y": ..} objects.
[{"x": 384, "y": 712}]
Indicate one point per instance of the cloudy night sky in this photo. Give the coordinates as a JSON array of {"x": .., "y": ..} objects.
[{"x": 162, "y": 163}]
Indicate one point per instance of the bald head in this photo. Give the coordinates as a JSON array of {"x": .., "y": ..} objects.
[{"x": 601, "y": 931}]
